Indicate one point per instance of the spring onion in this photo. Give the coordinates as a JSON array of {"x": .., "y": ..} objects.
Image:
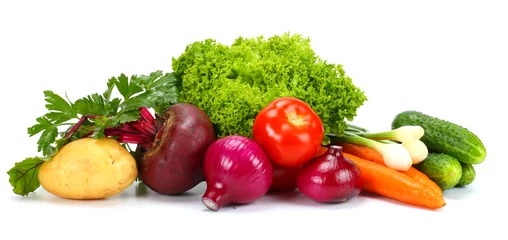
[
  {"x": 400, "y": 147},
  {"x": 395, "y": 155},
  {"x": 401, "y": 134},
  {"x": 417, "y": 150}
]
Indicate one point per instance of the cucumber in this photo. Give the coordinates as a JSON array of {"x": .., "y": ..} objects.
[
  {"x": 468, "y": 175},
  {"x": 442, "y": 169},
  {"x": 442, "y": 136}
]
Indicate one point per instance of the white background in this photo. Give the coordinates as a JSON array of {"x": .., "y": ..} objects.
[{"x": 445, "y": 58}]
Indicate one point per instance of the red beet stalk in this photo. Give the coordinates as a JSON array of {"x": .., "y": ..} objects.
[{"x": 140, "y": 132}]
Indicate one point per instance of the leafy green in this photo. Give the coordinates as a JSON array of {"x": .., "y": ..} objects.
[
  {"x": 23, "y": 176},
  {"x": 94, "y": 113},
  {"x": 233, "y": 83}
]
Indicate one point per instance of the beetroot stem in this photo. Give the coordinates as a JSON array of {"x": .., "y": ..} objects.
[
  {"x": 145, "y": 128},
  {"x": 127, "y": 128},
  {"x": 77, "y": 125},
  {"x": 145, "y": 114},
  {"x": 135, "y": 139},
  {"x": 88, "y": 134},
  {"x": 111, "y": 131},
  {"x": 142, "y": 131}
]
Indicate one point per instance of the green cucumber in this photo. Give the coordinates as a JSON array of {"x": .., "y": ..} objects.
[
  {"x": 442, "y": 136},
  {"x": 468, "y": 175},
  {"x": 442, "y": 169}
]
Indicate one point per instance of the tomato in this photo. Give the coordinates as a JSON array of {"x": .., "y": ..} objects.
[
  {"x": 289, "y": 131},
  {"x": 284, "y": 179}
]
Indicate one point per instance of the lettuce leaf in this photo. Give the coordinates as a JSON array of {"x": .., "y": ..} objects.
[{"x": 232, "y": 83}]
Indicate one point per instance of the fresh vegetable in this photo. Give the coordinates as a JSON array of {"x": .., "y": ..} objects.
[
  {"x": 417, "y": 150},
  {"x": 468, "y": 175},
  {"x": 401, "y": 134},
  {"x": 443, "y": 169},
  {"x": 237, "y": 171},
  {"x": 255, "y": 116},
  {"x": 330, "y": 177},
  {"x": 408, "y": 136},
  {"x": 442, "y": 136},
  {"x": 289, "y": 131},
  {"x": 283, "y": 179},
  {"x": 67, "y": 121},
  {"x": 394, "y": 155},
  {"x": 399, "y": 147},
  {"x": 171, "y": 147},
  {"x": 373, "y": 156},
  {"x": 89, "y": 168},
  {"x": 395, "y": 185},
  {"x": 232, "y": 83}
]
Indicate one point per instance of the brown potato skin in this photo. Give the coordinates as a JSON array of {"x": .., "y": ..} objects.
[
  {"x": 89, "y": 168},
  {"x": 174, "y": 164}
]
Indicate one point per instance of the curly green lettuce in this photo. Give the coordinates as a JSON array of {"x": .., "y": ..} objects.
[{"x": 232, "y": 83}]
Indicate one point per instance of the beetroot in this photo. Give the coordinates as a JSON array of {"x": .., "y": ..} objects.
[{"x": 171, "y": 147}]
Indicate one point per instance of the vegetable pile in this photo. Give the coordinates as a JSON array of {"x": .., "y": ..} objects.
[{"x": 258, "y": 116}]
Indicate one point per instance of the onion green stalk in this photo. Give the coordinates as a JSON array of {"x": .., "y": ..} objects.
[{"x": 401, "y": 134}]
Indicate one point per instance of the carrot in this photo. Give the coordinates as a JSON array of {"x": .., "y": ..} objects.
[
  {"x": 363, "y": 152},
  {"x": 373, "y": 156},
  {"x": 424, "y": 179},
  {"x": 321, "y": 151},
  {"x": 393, "y": 184}
]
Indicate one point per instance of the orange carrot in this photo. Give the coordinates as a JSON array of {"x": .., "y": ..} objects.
[
  {"x": 363, "y": 152},
  {"x": 424, "y": 179},
  {"x": 373, "y": 156},
  {"x": 321, "y": 151},
  {"x": 393, "y": 184}
]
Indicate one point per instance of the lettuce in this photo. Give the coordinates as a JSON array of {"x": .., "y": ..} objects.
[{"x": 232, "y": 83}]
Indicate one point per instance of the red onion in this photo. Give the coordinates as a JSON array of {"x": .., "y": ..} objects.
[
  {"x": 330, "y": 177},
  {"x": 237, "y": 170}
]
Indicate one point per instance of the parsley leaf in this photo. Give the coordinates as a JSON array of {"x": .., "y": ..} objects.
[
  {"x": 127, "y": 88},
  {"x": 48, "y": 136},
  {"x": 124, "y": 117},
  {"x": 96, "y": 105},
  {"x": 60, "y": 109},
  {"x": 160, "y": 92},
  {"x": 109, "y": 90},
  {"x": 23, "y": 176}
]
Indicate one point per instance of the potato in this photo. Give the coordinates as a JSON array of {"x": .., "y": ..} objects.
[{"x": 89, "y": 168}]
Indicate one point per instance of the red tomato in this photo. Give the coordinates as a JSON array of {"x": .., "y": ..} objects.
[
  {"x": 284, "y": 179},
  {"x": 289, "y": 131}
]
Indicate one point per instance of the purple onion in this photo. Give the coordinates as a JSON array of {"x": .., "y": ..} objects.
[
  {"x": 330, "y": 177},
  {"x": 237, "y": 171}
]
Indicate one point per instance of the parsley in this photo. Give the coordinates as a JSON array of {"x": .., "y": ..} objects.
[{"x": 89, "y": 116}]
